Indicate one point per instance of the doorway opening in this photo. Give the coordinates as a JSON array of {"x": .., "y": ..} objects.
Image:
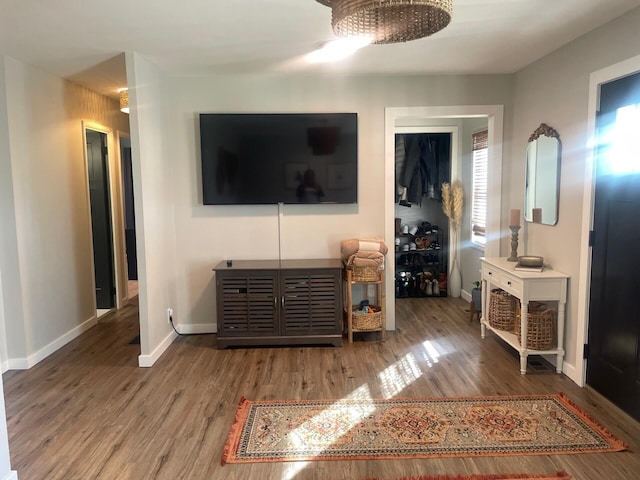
[
  {"x": 99, "y": 187},
  {"x": 397, "y": 120}
]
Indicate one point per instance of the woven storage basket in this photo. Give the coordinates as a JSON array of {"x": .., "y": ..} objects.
[
  {"x": 541, "y": 327},
  {"x": 366, "y": 321},
  {"x": 502, "y": 310},
  {"x": 365, "y": 274}
]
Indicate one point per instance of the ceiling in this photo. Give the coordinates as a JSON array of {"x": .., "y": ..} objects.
[{"x": 84, "y": 40}]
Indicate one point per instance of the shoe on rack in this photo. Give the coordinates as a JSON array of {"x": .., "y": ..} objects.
[
  {"x": 429, "y": 290},
  {"x": 435, "y": 288},
  {"x": 442, "y": 281}
]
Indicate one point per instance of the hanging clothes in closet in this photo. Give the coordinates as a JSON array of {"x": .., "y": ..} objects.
[{"x": 423, "y": 163}]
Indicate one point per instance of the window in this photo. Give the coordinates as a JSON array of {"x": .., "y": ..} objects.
[{"x": 480, "y": 160}]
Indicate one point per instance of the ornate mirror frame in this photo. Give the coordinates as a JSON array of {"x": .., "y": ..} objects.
[{"x": 542, "y": 176}]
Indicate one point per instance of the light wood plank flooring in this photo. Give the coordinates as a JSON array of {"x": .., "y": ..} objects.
[{"x": 88, "y": 411}]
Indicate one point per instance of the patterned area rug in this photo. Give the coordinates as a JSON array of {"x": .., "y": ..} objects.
[
  {"x": 275, "y": 431},
  {"x": 515, "y": 476}
]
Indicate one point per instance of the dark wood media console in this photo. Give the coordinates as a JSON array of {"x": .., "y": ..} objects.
[{"x": 279, "y": 302}]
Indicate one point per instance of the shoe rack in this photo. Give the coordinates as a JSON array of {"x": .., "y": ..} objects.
[{"x": 420, "y": 261}]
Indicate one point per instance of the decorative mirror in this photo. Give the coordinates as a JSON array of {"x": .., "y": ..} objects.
[{"x": 542, "y": 181}]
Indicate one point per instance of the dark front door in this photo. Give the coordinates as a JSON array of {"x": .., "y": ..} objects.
[
  {"x": 101, "y": 218},
  {"x": 613, "y": 366}
]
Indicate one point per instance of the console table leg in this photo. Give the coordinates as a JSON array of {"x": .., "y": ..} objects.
[
  {"x": 560, "y": 346},
  {"x": 523, "y": 363},
  {"x": 524, "y": 325},
  {"x": 483, "y": 308}
]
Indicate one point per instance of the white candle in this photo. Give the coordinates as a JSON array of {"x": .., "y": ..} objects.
[
  {"x": 537, "y": 215},
  {"x": 515, "y": 217}
]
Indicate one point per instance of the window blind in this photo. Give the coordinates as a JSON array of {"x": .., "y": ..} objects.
[{"x": 479, "y": 193}]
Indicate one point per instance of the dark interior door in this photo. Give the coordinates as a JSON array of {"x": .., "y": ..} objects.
[
  {"x": 129, "y": 212},
  {"x": 101, "y": 218},
  {"x": 613, "y": 366}
]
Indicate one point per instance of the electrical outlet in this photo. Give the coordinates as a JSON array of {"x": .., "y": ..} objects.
[{"x": 169, "y": 315}]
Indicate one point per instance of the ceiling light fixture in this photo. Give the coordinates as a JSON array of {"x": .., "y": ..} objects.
[
  {"x": 389, "y": 21},
  {"x": 124, "y": 100}
]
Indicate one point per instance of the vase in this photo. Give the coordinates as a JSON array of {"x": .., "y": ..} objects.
[{"x": 455, "y": 281}]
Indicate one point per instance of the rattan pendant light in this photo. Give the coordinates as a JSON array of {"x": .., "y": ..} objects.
[{"x": 389, "y": 21}]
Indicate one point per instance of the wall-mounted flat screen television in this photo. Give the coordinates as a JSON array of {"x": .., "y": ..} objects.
[{"x": 251, "y": 159}]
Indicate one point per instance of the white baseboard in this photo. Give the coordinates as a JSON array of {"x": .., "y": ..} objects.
[
  {"x": 571, "y": 372},
  {"x": 465, "y": 295},
  {"x": 31, "y": 360},
  {"x": 146, "y": 361},
  {"x": 189, "y": 328},
  {"x": 12, "y": 475}
]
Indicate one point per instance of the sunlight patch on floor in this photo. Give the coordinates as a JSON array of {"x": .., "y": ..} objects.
[
  {"x": 332, "y": 420},
  {"x": 393, "y": 380},
  {"x": 398, "y": 376},
  {"x": 430, "y": 353}
]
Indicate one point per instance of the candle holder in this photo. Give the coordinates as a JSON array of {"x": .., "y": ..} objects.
[{"x": 514, "y": 243}]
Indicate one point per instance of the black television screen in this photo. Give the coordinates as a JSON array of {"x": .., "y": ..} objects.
[{"x": 250, "y": 159}]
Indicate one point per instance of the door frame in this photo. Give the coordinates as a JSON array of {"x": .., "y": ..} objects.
[
  {"x": 396, "y": 117},
  {"x": 115, "y": 199},
  {"x": 596, "y": 79}
]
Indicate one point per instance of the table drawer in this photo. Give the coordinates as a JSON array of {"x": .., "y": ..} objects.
[
  {"x": 491, "y": 274},
  {"x": 511, "y": 284}
]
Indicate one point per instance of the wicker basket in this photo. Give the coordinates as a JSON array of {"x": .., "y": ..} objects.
[
  {"x": 541, "y": 327},
  {"x": 365, "y": 274},
  {"x": 366, "y": 321},
  {"x": 502, "y": 310}
]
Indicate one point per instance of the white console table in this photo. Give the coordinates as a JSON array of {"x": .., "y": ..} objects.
[{"x": 548, "y": 285}]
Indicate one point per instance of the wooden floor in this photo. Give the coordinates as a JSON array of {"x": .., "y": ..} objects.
[{"x": 89, "y": 412}]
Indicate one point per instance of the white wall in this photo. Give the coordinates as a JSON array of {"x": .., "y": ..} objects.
[
  {"x": 46, "y": 259},
  {"x": 555, "y": 90},
  {"x": 154, "y": 205},
  {"x": 6, "y": 204},
  {"x": 469, "y": 254},
  {"x": 208, "y": 234}
]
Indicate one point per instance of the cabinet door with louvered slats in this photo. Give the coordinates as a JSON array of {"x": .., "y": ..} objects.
[
  {"x": 311, "y": 302},
  {"x": 249, "y": 303}
]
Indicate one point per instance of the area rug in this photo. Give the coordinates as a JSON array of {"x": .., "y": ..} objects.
[
  {"x": 276, "y": 431},
  {"x": 507, "y": 476}
]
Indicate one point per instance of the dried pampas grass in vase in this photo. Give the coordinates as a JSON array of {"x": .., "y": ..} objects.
[
  {"x": 453, "y": 202},
  {"x": 453, "y": 206}
]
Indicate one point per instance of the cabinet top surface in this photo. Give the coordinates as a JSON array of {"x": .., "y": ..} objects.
[
  {"x": 278, "y": 264},
  {"x": 503, "y": 264}
]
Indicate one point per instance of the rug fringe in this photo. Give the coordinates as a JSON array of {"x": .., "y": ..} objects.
[
  {"x": 234, "y": 433},
  {"x": 615, "y": 443},
  {"x": 500, "y": 476}
]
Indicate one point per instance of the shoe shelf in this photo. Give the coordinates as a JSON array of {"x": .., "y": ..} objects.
[{"x": 420, "y": 262}]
